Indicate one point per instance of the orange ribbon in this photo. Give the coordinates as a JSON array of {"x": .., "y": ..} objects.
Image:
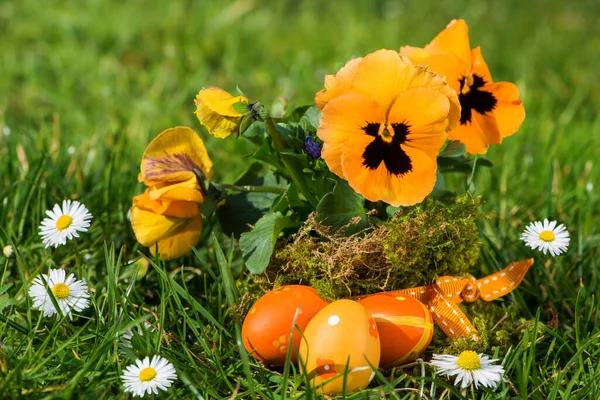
[{"x": 444, "y": 295}]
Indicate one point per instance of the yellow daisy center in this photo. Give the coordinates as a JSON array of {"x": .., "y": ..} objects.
[
  {"x": 147, "y": 374},
  {"x": 63, "y": 222},
  {"x": 468, "y": 361},
  {"x": 61, "y": 291},
  {"x": 547, "y": 236}
]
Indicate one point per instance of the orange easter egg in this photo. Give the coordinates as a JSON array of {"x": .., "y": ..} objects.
[
  {"x": 266, "y": 328},
  {"x": 341, "y": 337},
  {"x": 405, "y": 327}
]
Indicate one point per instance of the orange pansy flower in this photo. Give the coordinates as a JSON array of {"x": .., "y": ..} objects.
[
  {"x": 490, "y": 111},
  {"x": 383, "y": 122}
]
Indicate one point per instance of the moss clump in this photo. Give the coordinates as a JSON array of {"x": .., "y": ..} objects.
[
  {"x": 498, "y": 326},
  {"x": 414, "y": 247}
]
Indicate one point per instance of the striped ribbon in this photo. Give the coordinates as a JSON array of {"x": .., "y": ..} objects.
[{"x": 444, "y": 295}]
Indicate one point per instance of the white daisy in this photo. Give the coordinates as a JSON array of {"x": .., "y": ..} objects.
[
  {"x": 469, "y": 367},
  {"x": 63, "y": 224},
  {"x": 128, "y": 335},
  {"x": 146, "y": 376},
  {"x": 70, "y": 294},
  {"x": 547, "y": 237}
]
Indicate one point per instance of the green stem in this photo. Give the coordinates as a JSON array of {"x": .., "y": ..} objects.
[
  {"x": 470, "y": 181},
  {"x": 249, "y": 188},
  {"x": 78, "y": 261},
  {"x": 296, "y": 178}
]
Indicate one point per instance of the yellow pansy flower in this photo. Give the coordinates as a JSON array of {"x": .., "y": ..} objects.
[{"x": 214, "y": 109}]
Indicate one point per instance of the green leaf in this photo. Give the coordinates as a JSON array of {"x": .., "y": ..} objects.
[
  {"x": 228, "y": 281},
  {"x": 294, "y": 115},
  {"x": 240, "y": 107},
  {"x": 258, "y": 244},
  {"x": 439, "y": 190},
  {"x": 278, "y": 107},
  {"x": 245, "y": 123},
  {"x": 242, "y": 210},
  {"x": 341, "y": 207},
  {"x": 299, "y": 164},
  {"x": 391, "y": 210},
  {"x": 453, "y": 148},
  {"x": 290, "y": 201},
  {"x": 6, "y": 287},
  {"x": 255, "y": 133},
  {"x": 461, "y": 163},
  {"x": 6, "y": 301},
  {"x": 310, "y": 119}
]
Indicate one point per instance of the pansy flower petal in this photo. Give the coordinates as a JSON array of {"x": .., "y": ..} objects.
[
  {"x": 150, "y": 227},
  {"x": 379, "y": 184},
  {"x": 186, "y": 191},
  {"x": 449, "y": 66},
  {"x": 214, "y": 109},
  {"x": 477, "y": 134},
  {"x": 509, "y": 110},
  {"x": 412, "y": 188},
  {"x": 425, "y": 111},
  {"x": 338, "y": 84},
  {"x": 180, "y": 242},
  {"x": 144, "y": 202},
  {"x": 175, "y": 155},
  {"x": 454, "y": 39},
  {"x": 415, "y": 54},
  {"x": 170, "y": 208},
  {"x": 342, "y": 119},
  {"x": 381, "y": 75},
  {"x": 479, "y": 66},
  {"x": 423, "y": 77}
]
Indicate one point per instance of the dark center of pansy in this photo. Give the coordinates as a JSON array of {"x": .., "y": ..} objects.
[
  {"x": 386, "y": 148},
  {"x": 472, "y": 98}
]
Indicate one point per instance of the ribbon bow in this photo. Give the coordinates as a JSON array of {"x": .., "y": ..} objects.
[{"x": 444, "y": 295}]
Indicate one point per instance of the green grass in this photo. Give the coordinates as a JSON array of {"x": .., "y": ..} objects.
[{"x": 104, "y": 77}]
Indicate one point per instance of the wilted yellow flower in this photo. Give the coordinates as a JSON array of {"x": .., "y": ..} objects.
[
  {"x": 214, "y": 109},
  {"x": 175, "y": 156},
  {"x": 166, "y": 217}
]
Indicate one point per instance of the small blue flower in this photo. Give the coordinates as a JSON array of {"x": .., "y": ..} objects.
[{"x": 312, "y": 148}]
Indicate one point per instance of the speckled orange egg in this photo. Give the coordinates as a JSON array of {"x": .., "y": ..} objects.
[
  {"x": 405, "y": 327},
  {"x": 342, "y": 333},
  {"x": 267, "y": 326}
]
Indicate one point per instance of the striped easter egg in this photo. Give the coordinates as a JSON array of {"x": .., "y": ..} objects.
[{"x": 405, "y": 327}]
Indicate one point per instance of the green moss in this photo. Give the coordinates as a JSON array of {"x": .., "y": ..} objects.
[
  {"x": 414, "y": 247},
  {"x": 432, "y": 240},
  {"x": 498, "y": 326}
]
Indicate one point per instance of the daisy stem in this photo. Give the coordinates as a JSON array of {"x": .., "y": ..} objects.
[{"x": 77, "y": 260}]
